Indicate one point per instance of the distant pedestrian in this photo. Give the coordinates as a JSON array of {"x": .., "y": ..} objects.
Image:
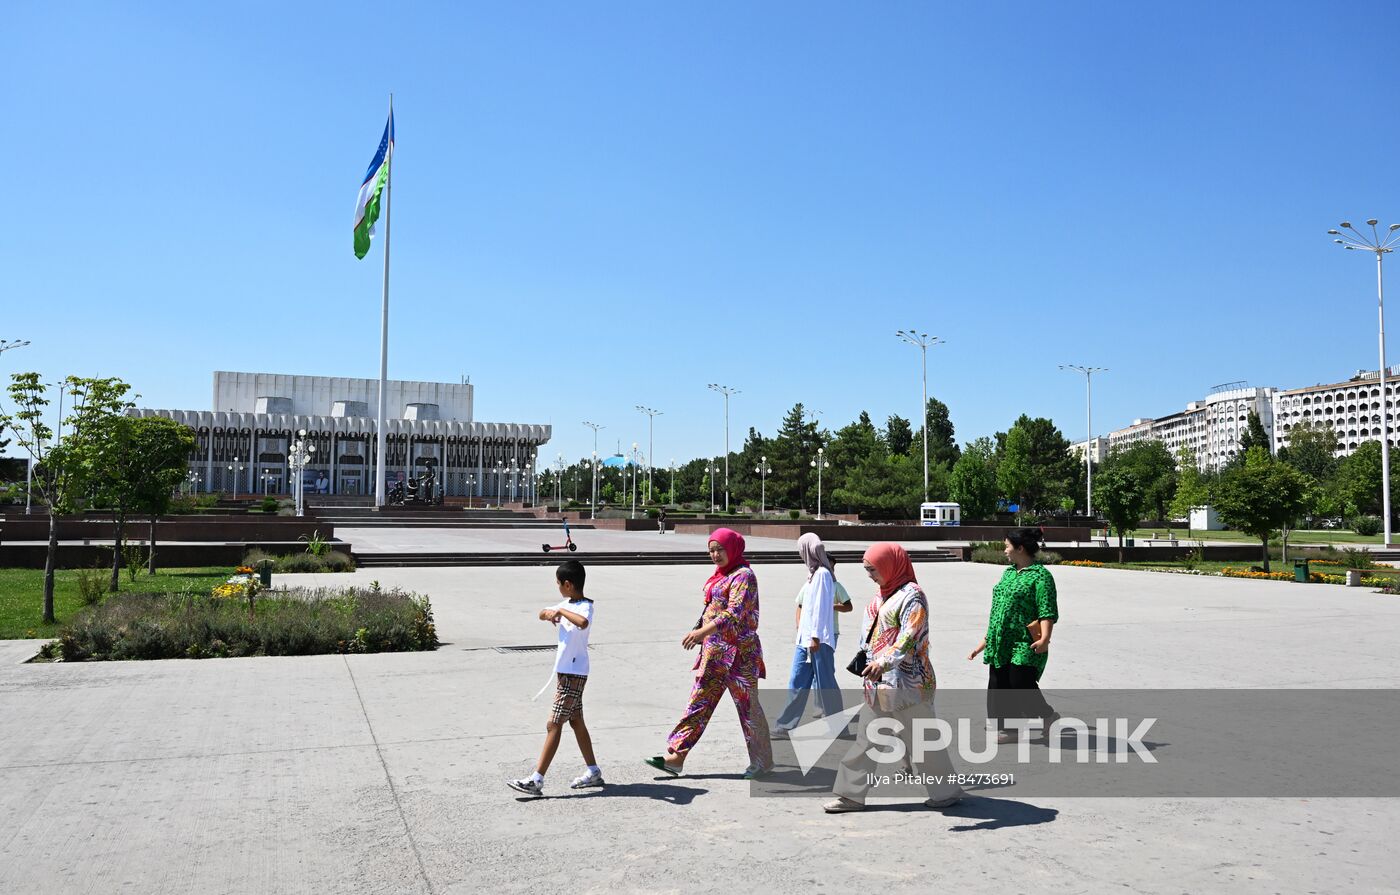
[
  {"x": 661, "y": 522},
  {"x": 574, "y": 620},
  {"x": 814, "y": 659},
  {"x": 731, "y": 658},
  {"x": 1017, "y": 646}
]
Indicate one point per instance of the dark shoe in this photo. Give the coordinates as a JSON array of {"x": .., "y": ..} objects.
[{"x": 659, "y": 762}]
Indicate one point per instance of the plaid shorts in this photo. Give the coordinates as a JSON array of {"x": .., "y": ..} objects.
[{"x": 568, "y": 697}]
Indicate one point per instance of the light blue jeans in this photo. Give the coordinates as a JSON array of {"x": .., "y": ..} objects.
[{"x": 818, "y": 674}]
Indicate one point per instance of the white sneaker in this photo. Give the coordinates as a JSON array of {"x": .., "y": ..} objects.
[
  {"x": 526, "y": 785},
  {"x": 587, "y": 779}
]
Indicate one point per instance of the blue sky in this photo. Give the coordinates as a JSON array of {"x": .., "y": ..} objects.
[{"x": 604, "y": 205}]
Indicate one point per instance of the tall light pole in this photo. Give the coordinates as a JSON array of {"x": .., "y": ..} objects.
[
  {"x": 712, "y": 470},
  {"x": 1380, "y": 245},
  {"x": 1089, "y": 426},
  {"x": 673, "y": 480},
  {"x": 593, "y": 501},
  {"x": 6, "y": 345},
  {"x": 726, "y": 391},
  {"x": 819, "y": 464},
  {"x": 922, "y": 341},
  {"x": 471, "y": 486},
  {"x": 763, "y": 469},
  {"x": 651, "y": 441}
]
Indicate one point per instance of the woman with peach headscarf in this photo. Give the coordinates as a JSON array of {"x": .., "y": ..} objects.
[
  {"x": 898, "y": 681},
  {"x": 731, "y": 658}
]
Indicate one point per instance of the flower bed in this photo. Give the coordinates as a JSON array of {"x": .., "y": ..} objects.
[
  {"x": 1084, "y": 563},
  {"x": 237, "y": 620}
]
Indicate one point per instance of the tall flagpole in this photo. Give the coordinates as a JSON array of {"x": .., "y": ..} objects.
[{"x": 381, "y": 435}]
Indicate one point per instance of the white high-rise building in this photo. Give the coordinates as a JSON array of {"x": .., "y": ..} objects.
[
  {"x": 1210, "y": 428},
  {"x": 1351, "y": 409}
]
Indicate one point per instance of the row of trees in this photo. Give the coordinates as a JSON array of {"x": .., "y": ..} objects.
[
  {"x": 868, "y": 468},
  {"x": 105, "y": 460}
]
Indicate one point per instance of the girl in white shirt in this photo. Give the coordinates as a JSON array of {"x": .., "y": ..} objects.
[{"x": 814, "y": 659}]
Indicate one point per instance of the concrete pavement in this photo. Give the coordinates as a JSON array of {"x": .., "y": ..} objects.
[{"x": 383, "y": 773}]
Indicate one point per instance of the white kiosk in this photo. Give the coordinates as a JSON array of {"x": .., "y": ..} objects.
[{"x": 936, "y": 513}]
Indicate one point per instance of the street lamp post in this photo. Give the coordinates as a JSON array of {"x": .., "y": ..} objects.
[
  {"x": 237, "y": 469},
  {"x": 726, "y": 391},
  {"x": 922, "y": 341},
  {"x": 763, "y": 469},
  {"x": 634, "y": 480},
  {"x": 193, "y": 479},
  {"x": 593, "y": 501},
  {"x": 297, "y": 458},
  {"x": 1089, "y": 438},
  {"x": 1380, "y": 245},
  {"x": 471, "y": 486},
  {"x": 712, "y": 470},
  {"x": 673, "y": 480},
  {"x": 651, "y": 442},
  {"x": 819, "y": 464}
]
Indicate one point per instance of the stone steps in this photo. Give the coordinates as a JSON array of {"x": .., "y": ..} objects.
[{"x": 611, "y": 558}]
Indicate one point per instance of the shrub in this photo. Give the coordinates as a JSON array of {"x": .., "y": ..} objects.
[
  {"x": 192, "y": 625},
  {"x": 329, "y": 561},
  {"x": 1366, "y": 526},
  {"x": 1048, "y": 558},
  {"x": 1356, "y": 557},
  {"x": 989, "y": 552},
  {"x": 268, "y": 505},
  {"x": 92, "y": 584},
  {"x": 793, "y": 514},
  {"x": 315, "y": 544}
]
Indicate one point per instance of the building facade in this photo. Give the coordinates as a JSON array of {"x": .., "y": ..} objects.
[
  {"x": 241, "y": 445},
  {"x": 1351, "y": 409},
  {"x": 1210, "y": 429}
]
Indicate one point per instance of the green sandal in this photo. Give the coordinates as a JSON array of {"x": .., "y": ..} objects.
[{"x": 659, "y": 762}]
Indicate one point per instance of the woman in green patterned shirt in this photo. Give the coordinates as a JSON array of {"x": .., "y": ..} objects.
[{"x": 1017, "y": 644}]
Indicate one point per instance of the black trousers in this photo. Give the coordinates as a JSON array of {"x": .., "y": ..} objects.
[{"x": 1012, "y": 692}]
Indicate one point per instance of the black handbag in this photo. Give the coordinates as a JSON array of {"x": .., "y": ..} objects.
[{"x": 861, "y": 658}]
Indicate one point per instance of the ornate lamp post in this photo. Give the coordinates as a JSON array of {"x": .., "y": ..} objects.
[
  {"x": 297, "y": 458},
  {"x": 673, "y": 480},
  {"x": 1379, "y": 245},
  {"x": 819, "y": 464},
  {"x": 471, "y": 486},
  {"x": 712, "y": 470},
  {"x": 593, "y": 501},
  {"x": 237, "y": 469},
  {"x": 651, "y": 442},
  {"x": 193, "y": 479},
  {"x": 763, "y": 469}
]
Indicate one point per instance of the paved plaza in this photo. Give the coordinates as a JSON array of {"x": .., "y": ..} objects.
[{"x": 384, "y": 773}]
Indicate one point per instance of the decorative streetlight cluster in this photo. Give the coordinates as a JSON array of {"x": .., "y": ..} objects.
[
  {"x": 763, "y": 469},
  {"x": 297, "y": 457},
  {"x": 236, "y": 471},
  {"x": 593, "y": 501},
  {"x": 1380, "y": 244},
  {"x": 819, "y": 464},
  {"x": 7, "y": 344}
]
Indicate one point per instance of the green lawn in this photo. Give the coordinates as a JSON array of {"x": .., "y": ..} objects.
[
  {"x": 22, "y": 595},
  {"x": 1322, "y": 536}
]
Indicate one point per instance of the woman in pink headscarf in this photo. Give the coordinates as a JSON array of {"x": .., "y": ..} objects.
[{"x": 731, "y": 658}]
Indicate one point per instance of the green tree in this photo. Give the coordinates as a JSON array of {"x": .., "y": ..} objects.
[
  {"x": 162, "y": 448},
  {"x": 1253, "y": 436},
  {"x": 1312, "y": 450},
  {"x": 1119, "y": 495},
  {"x": 899, "y": 436},
  {"x": 1358, "y": 480},
  {"x": 1156, "y": 474},
  {"x": 847, "y": 450},
  {"x": 888, "y": 483},
  {"x": 1192, "y": 488},
  {"x": 973, "y": 480},
  {"x": 1260, "y": 496},
  {"x": 1014, "y": 469},
  {"x": 793, "y": 480},
  {"x": 1050, "y": 465},
  {"x": 942, "y": 446}
]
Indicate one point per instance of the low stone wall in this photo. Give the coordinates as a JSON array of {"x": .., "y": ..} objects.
[
  {"x": 914, "y": 532},
  {"x": 170, "y": 528},
  {"x": 168, "y": 556},
  {"x": 1241, "y": 553}
]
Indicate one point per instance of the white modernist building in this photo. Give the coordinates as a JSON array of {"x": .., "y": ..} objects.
[
  {"x": 1210, "y": 428},
  {"x": 242, "y": 444},
  {"x": 1351, "y": 409}
]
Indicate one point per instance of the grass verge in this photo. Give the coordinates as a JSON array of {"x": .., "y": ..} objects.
[{"x": 22, "y": 594}]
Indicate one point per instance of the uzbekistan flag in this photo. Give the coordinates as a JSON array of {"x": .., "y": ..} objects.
[{"x": 367, "y": 205}]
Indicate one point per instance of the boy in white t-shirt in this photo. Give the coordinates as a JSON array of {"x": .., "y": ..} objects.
[{"x": 574, "y": 620}]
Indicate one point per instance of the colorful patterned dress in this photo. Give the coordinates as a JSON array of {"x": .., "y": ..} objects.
[
  {"x": 1018, "y": 599},
  {"x": 899, "y": 645},
  {"x": 730, "y": 659}
]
